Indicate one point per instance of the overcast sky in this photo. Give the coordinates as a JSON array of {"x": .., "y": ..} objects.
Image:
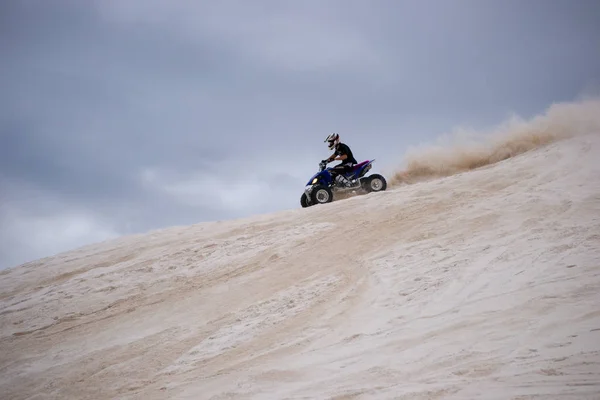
[{"x": 123, "y": 116}]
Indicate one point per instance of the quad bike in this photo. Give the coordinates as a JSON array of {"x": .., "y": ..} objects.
[{"x": 321, "y": 187}]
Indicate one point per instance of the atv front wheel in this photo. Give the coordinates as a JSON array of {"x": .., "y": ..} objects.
[
  {"x": 374, "y": 183},
  {"x": 321, "y": 195},
  {"x": 304, "y": 200}
]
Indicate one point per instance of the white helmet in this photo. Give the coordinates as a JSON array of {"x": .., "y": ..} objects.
[{"x": 333, "y": 140}]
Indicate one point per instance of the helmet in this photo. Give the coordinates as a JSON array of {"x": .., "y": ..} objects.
[{"x": 333, "y": 140}]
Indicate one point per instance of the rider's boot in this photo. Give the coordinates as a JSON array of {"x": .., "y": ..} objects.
[{"x": 342, "y": 181}]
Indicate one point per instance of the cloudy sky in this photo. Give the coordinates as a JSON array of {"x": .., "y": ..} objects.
[{"x": 122, "y": 116}]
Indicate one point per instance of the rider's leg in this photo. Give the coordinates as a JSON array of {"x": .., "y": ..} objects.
[
  {"x": 341, "y": 169},
  {"x": 336, "y": 170}
]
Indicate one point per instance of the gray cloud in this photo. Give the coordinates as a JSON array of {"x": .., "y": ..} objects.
[{"x": 119, "y": 117}]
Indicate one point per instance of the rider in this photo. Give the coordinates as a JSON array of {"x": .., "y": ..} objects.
[{"x": 343, "y": 153}]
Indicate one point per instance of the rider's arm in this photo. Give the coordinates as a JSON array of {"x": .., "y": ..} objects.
[{"x": 333, "y": 157}]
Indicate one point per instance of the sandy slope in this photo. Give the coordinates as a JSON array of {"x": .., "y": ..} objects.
[{"x": 484, "y": 284}]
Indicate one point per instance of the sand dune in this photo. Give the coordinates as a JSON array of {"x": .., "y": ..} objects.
[
  {"x": 465, "y": 150},
  {"x": 479, "y": 284}
]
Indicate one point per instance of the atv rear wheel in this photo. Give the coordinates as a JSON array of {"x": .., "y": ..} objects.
[
  {"x": 374, "y": 183},
  {"x": 321, "y": 195}
]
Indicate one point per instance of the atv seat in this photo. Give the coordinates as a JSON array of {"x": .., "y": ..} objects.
[{"x": 360, "y": 165}]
